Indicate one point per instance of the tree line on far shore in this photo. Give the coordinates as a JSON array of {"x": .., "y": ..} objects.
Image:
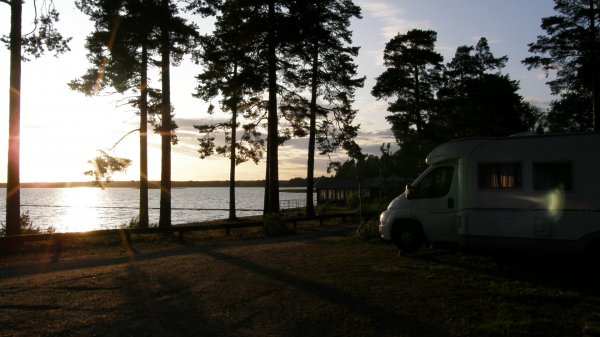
[
  {"x": 294, "y": 182},
  {"x": 285, "y": 68}
]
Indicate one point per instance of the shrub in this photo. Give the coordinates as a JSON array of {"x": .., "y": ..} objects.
[
  {"x": 367, "y": 231},
  {"x": 324, "y": 209},
  {"x": 372, "y": 208},
  {"x": 274, "y": 225},
  {"x": 133, "y": 223},
  {"x": 27, "y": 226}
]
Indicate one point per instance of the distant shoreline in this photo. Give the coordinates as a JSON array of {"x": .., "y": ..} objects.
[{"x": 296, "y": 182}]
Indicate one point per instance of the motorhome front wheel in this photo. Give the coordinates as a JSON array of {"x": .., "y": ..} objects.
[{"x": 408, "y": 238}]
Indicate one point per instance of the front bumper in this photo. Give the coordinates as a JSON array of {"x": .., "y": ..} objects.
[{"x": 385, "y": 229}]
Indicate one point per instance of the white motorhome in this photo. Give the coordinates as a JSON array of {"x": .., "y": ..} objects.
[{"x": 527, "y": 192}]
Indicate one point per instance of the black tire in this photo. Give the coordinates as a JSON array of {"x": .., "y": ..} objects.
[{"x": 408, "y": 237}]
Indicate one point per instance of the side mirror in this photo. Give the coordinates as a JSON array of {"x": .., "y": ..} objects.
[{"x": 408, "y": 191}]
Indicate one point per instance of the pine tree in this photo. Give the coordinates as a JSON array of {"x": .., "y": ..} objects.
[
  {"x": 477, "y": 99},
  {"x": 324, "y": 45},
  {"x": 230, "y": 65},
  {"x": 412, "y": 75},
  {"x": 128, "y": 35},
  {"x": 571, "y": 50},
  {"x": 119, "y": 50},
  {"x": 44, "y": 37},
  {"x": 177, "y": 37}
]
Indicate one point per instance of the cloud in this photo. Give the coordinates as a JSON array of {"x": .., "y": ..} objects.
[
  {"x": 292, "y": 155},
  {"x": 370, "y": 142},
  {"x": 543, "y": 103},
  {"x": 383, "y": 133},
  {"x": 391, "y": 18}
]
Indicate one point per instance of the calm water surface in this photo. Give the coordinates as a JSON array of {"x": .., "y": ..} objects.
[{"x": 88, "y": 208}]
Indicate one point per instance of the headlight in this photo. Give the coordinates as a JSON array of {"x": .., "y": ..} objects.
[{"x": 383, "y": 216}]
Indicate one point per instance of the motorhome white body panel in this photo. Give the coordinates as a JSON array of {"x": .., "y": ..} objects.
[{"x": 511, "y": 191}]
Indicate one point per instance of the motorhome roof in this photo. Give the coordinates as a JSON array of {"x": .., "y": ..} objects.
[
  {"x": 461, "y": 147},
  {"x": 455, "y": 149}
]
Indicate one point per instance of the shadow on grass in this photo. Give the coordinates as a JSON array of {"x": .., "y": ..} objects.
[
  {"x": 561, "y": 272},
  {"x": 382, "y": 320},
  {"x": 50, "y": 262},
  {"x": 161, "y": 306}
]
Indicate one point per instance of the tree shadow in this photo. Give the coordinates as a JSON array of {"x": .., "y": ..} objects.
[
  {"x": 164, "y": 306},
  {"x": 51, "y": 262},
  {"x": 385, "y": 321}
]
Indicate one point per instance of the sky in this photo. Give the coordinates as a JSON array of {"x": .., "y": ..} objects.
[{"x": 61, "y": 129}]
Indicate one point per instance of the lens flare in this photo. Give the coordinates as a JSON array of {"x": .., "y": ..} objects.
[{"x": 553, "y": 202}]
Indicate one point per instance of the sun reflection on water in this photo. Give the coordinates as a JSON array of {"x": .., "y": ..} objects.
[{"x": 80, "y": 213}]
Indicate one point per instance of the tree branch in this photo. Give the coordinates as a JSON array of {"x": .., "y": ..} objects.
[{"x": 121, "y": 139}]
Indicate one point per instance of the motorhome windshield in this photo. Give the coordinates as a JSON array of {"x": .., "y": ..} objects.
[{"x": 435, "y": 184}]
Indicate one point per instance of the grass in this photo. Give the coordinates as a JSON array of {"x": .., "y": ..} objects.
[
  {"x": 506, "y": 296},
  {"x": 349, "y": 287}
]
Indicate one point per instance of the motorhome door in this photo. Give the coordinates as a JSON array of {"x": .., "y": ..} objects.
[{"x": 434, "y": 202}]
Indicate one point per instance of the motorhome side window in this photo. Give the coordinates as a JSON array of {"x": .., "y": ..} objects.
[
  {"x": 435, "y": 184},
  {"x": 548, "y": 176},
  {"x": 499, "y": 175}
]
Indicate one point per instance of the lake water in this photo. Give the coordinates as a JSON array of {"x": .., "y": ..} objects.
[{"x": 89, "y": 208}]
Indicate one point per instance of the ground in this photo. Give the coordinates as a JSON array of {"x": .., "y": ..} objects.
[{"x": 313, "y": 283}]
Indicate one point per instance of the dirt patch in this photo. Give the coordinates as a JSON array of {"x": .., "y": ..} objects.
[{"x": 313, "y": 284}]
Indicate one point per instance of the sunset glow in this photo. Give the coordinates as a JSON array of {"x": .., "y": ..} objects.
[{"x": 62, "y": 129}]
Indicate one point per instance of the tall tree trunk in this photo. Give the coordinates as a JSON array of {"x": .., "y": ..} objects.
[
  {"x": 13, "y": 186},
  {"x": 310, "y": 166},
  {"x": 595, "y": 75},
  {"x": 418, "y": 107},
  {"x": 165, "y": 174},
  {"x": 143, "y": 217},
  {"x": 419, "y": 121},
  {"x": 266, "y": 199},
  {"x": 273, "y": 140},
  {"x": 232, "y": 167},
  {"x": 232, "y": 155}
]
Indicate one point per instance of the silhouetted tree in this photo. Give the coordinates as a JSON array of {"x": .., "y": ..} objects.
[
  {"x": 119, "y": 51},
  {"x": 43, "y": 37},
  {"x": 392, "y": 168},
  {"x": 177, "y": 38},
  {"x": 477, "y": 100},
  {"x": 467, "y": 66},
  {"x": 230, "y": 63},
  {"x": 323, "y": 45},
  {"x": 165, "y": 172},
  {"x": 265, "y": 22},
  {"x": 571, "y": 49},
  {"x": 571, "y": 113},
  {"x": 104, "y": 165},
  {"x": 413, "y": 70},
  {"x": 272, "y": 177}
]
